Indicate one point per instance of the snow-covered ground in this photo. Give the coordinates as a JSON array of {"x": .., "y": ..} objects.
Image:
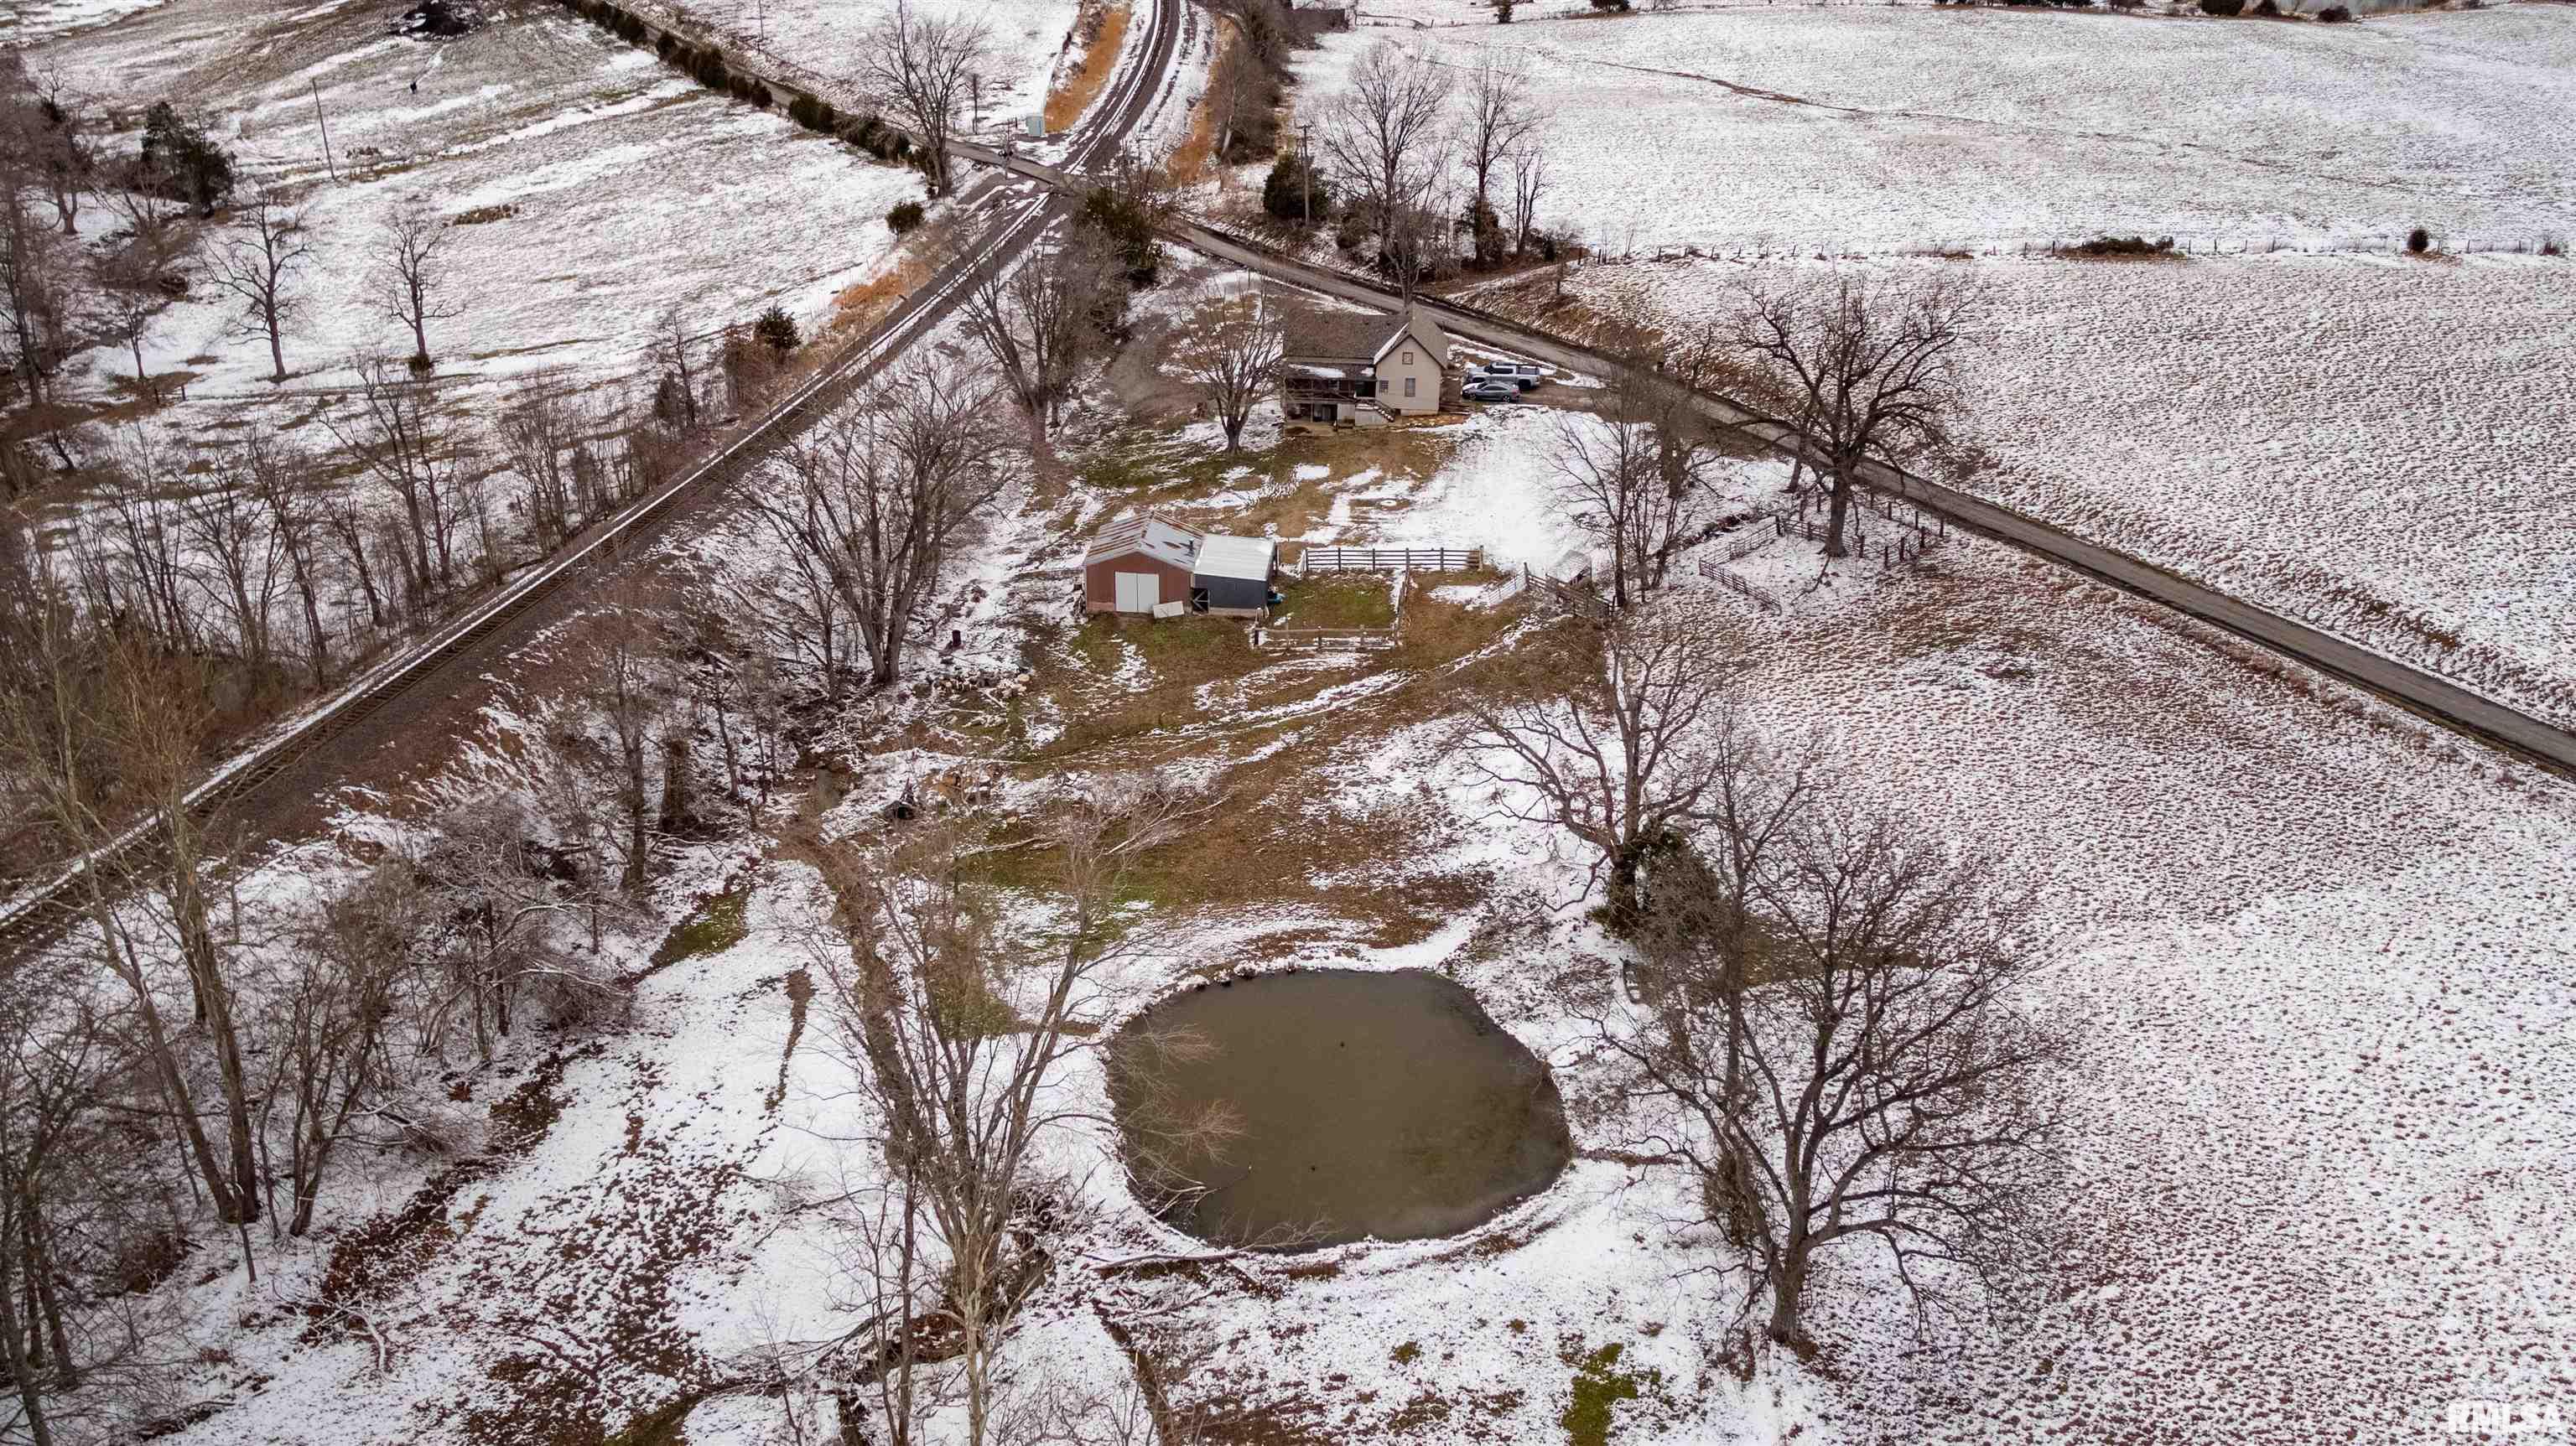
[
  {"x": 30, "y": 21},
  {"x": 1879, "y": 128},
  {"x": 2376, "y": 444},
  {"x": 2322, "y": 957},
  {"x": 588, "y": 187},
  {"x": 1027, "y": 41}
]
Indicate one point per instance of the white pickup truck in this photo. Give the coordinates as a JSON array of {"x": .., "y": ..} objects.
[{"x": 1524, "y": 375}]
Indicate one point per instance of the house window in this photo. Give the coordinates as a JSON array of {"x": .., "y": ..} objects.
[
  {"x": 1408, "y": 358},
  {"x": 1408, "y": 388}
]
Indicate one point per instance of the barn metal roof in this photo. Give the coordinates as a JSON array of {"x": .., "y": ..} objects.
[
  {"x": 1162, "y": 541},
  {"x": 1247, "y": 558}
]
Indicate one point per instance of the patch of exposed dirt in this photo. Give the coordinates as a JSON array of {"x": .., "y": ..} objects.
[
  {"x": 1103, "y": 29},
  {"x": 440, "y": 19}
]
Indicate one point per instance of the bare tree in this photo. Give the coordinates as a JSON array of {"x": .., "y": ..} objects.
[
  {"x": 158, "y": 726},
  {"x": 1611, "y": 485},
  {"x": 35, "y": 285},
  {"x": 956, "y": 1028},
  {"x": 1500, "y": 124},
  {"x": 1870, "y": 361},
  {"x": 1529, "y": 182},
  {"x": 811, "y": 620},
  {"x": 39, "y": 126},
  {"x": 349, "y": 957},
  {"x": 133, "y": 567},
  {"x": 235, "y": 550},
  {"x": 353, "y": 528},
  {"x": 130, "y": 294},
  {"x": 66, "y": 737},
  {"x": 883, "y": 489},
  {"x": 1384, "y": 136},
  {"x": 1039, "y": 321},
  {"x": 1229, "y": 350},
  {"x": 1415, "y": 243},
  {"x": 399, "y": 438},
  {"x": 270, "y": 246},
  {"x": 513, "y": 911},
  {"x": 892, "y": 1286},
  {"x": 1610, "y": 751},
  {"x": 280, "y": 480},
  {"x": 625, "y": 690},
  {"x": 1637, "y": 484},
  {"x": 1702, "y": 939},
  {"x": 540, "y": 437},
  {"x": 58, "y": 1063},
  {"x": 136, "y": 274},
  {"x": 1241, "y": 95},
  {"x": 925, "y": 67},
  {"x": 673, "y": 356},
  {"x": 1896, "y": 1086},
  {"x": 411, "y": 275}
]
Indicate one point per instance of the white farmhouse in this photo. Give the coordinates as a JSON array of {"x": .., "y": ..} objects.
[{"x": 1362, "y": 368}]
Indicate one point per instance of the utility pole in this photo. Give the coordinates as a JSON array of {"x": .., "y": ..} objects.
[
  {"x": 1306, "y": 165},
  {"x": 975, "y": 90},
  {"x": 318, "y": 119}
]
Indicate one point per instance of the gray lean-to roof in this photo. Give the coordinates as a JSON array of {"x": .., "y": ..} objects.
[{"x": 1247, "y": 558}]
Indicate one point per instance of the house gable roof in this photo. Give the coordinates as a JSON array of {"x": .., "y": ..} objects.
[
  {"x": 1353, "y": 336},
  {"x": 1425, "y": 333},
  {"x": 1337, "y": 335},
  {"x": 1146, "y": 535}
]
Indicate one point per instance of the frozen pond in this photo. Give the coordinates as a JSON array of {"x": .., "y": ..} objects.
[{"x": 1357, "y": 1105}]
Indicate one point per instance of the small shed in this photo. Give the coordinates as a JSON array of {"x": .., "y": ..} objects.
[
  {"x": 1232, "y": 575},
  {"x": 1137, "y": 565}
]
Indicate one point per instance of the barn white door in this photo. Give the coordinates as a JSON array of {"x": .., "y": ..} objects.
[{"x": 1139, "y": 591}]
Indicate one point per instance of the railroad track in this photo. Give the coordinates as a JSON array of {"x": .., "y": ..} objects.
[{"x": 39, "y": 916}]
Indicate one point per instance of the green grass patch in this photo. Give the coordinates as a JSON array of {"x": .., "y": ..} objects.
[
  {"x": 1599, "y": 1387},
  {"x": 1193, "y": 648},
  {"x": 1156, "y": 462},
  {"x": 1180, "y": 655},
  {"x": 716, "y": 925},
  {"x": 1338, "y": 600}
]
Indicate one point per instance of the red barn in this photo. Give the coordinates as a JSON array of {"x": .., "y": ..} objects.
[{"x": 1136, "y": 565}]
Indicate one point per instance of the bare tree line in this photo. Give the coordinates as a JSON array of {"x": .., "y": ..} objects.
[
  {"x": 186, "y": 1073},
  {"x": 1417, "y": 160}
]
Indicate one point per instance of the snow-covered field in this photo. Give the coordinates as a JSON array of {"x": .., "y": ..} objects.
[
  {"x": 30, "y": 21},
  {"x": 1027, "y": 40},
  {"x": 602, "y": 185},
  {"x": 2376, "y": 444},
  {"x": 1880, "y": 128}
]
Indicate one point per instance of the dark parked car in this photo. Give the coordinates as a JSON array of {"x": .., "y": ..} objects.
[{"x": 1490, "y": 390}]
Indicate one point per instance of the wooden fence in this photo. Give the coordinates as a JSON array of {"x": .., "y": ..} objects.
[
  {"x": 1891, "y": 546},
  {"x": 1576, "y": 594},
  {"x": 1738, "y": 586},
  {"x": 1390, "y": 559},
  {"x": 1319, "y": 640},
  {"x": 1757, "y": 537}
]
